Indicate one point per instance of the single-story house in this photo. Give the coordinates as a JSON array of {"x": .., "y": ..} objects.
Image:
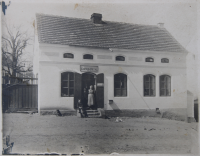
[{"x": 129, "y": 66}]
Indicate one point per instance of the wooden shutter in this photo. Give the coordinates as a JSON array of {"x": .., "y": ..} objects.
[
  {"x": 100, "y": 91},
  {"x": 77, "y": 88},
  {"x": 168, "y": 86}
]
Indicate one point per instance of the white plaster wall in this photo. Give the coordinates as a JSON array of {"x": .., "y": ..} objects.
[{"x": 52, "y": 64}]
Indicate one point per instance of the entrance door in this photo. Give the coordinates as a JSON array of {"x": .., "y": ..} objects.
[{"x": 88, "y": 79}]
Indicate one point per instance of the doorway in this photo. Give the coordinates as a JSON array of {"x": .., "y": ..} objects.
[{"x": 88, "y": 79}]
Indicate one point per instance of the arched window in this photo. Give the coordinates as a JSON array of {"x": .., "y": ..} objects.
[
  {"x": 149, "y": 59},
  {"x": 67, "y": 84},
  {"x": 120, "y": 58},
  {"x": 165, "y": 85},
  {"x": 164, "y": 60},
  {"x": 149, "y": 85},
  {"x": 88, "y": 56},
  {"x": 120, "y": 85},
  {"x": 68, "y": 55}
]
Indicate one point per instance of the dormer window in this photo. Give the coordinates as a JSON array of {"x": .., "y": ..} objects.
[
  {"x": 149, "y": 59},
  {"x": 120, "y": 58},
  {"x": 164, "y": 60},
  {"x": 68, "y": 55},
  {"x": 88, "y": 56}
]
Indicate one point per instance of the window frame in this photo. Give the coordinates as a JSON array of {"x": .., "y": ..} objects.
[
  {"x": 149, "y": 58},
  {"x": 154, "y": 91},
  {"x": 68, "y": 84},
  {"x": 166, "y": 87},
  {"x": 121, "y": 89},
  {"x": 88, "y": 55},
  {"x": 163, "y": 59},
  {"x": 68, "y": 57}
]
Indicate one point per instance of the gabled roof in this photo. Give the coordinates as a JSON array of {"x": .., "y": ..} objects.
[{"x": 83, "y": 32}]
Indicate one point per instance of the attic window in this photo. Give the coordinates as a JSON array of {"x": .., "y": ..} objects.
[
  {"x": 68, "y": 55},
  {"x": 149, "y": 59},
  {"x": 164, "y": 60},
  {"x": 120, "y": 58},
  {"x": 88, "y": 56}
]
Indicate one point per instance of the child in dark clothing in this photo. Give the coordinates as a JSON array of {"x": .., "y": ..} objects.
[{"x": 81, "y": 109}]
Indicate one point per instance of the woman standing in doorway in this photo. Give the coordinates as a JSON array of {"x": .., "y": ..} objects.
[{"x": 90, "y": 97}]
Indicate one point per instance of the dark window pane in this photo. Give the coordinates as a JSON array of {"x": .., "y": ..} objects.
[
  {"x": 146, "y": 92},
  {"x": 120, "y": 85},
  {"x": 71, "y": 92},
  {"x": 117, "y": 77},
  {"x": 65, "y": 76},
  {"x": 64, "y": 91},
  {"x": 71, "y": 76},
  {"x": 167, "y": 92},
  {"x": 117, "y": 92},
  {"x": 162, "y": 78},
  {"x": 124, "y": 92},
  {"x": 65, "y": 84},
  {"x": 146, "y": 85},
  {"x": 152, "y": 92},
  {"x": 120, "y": 58},
  {"x": 149, "y": 85},
  {"x": 165, "y": 60},
  {"x": 88, "y": 56},
  {"x": 146, "y": 78},
  {"x": 71, "y": 83},
  {"x": 149, "y": 59},
  {"x": 162, "y": 92},
  {"x": 117, "y": 84},
  {"x": 68, "y": 55},
  {"x": 165, "y": 85},
  {"x": 162, "y": 85}
]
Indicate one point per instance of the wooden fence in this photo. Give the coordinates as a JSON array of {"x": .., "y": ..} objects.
[{"x": 20, "y": 97}]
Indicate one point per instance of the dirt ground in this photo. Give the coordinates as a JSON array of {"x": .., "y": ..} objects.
[{"x": 72, "y": 135}]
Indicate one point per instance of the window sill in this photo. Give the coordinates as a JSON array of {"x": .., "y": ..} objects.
[
  {"x": 149, "y": 96},
  {"x": 120, "y": 96}
]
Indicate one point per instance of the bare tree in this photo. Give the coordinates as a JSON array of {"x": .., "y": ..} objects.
[{"x": 14, "y": 43}]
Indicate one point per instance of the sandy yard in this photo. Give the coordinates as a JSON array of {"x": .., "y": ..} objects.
[{"x": 70, "y": 134}]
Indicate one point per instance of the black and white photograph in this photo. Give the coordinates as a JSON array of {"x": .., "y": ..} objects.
[{"x": 98, "y": 77}]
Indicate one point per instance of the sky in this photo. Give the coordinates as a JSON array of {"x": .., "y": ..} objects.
[{"x": 179, "y": 17}]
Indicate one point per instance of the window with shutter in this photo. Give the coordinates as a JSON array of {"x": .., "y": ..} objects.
[
  {"x": 149, "y": 85},
  {"x": 67, "y": 84},
  {"x": 120, "y": 85},
  {"x": 149, "y": 59},
  {"x": 165, "y": 85}
]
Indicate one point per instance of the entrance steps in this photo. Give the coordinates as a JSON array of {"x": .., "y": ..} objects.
[{"x": 93, "y": 113}]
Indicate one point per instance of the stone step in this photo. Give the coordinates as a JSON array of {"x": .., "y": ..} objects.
[
  {"x": 93, "y": 113},
  {"x": 97, "y": 113},
  {"x": 94, "y": 116},
  {"x": 92, "y": 110}
]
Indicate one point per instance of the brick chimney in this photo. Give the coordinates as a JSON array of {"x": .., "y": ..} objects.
[{"x": 97, "y": 18}]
